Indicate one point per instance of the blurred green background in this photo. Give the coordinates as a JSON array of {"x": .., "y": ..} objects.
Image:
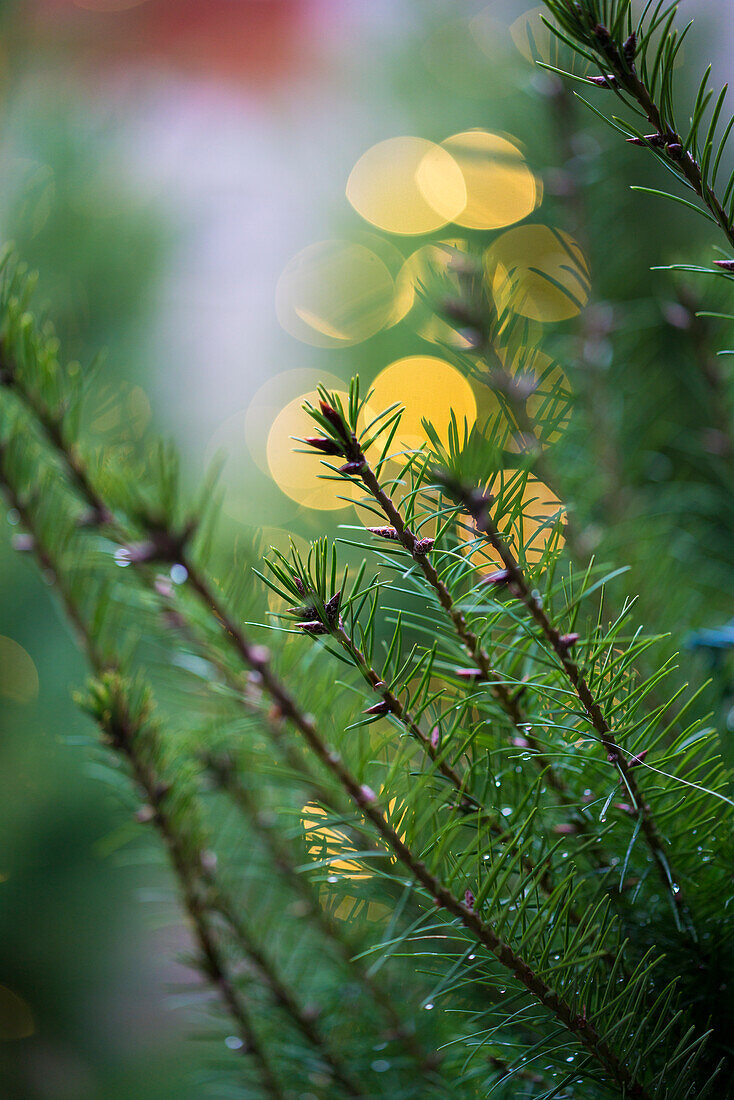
[{"x": 161, "y": 163}]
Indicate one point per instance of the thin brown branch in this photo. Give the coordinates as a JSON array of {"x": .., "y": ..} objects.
[
  {"x": 213, "y": 957},
  {"x": 478, "y": 506},
  {"x": 223, "y": 769}
]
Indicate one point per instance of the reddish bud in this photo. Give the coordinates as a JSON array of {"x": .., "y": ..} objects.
[
  {"x": 366, "y": 794},
  {"x": 300, "y": 586},
  {"x": 422, "y": 547},
  {"x": 332, "y": 607},
  {"x": 378, "y": 708},
  {"x": 567, "y": 828},
  {"x": 352, "y": 467},
  {"x": 313, "y": 627},
  {"x": 629, "y": 49},
  {"x": 326, "y": 446},
  {"x": 725, "y": 265},
  {"x": 609, "y": 81},
  {"x": 332, "y": 415},
  {"x": 497, "y": 579},
  {"x": 470, "y": 673},
  {"x": 469, "y": 899},
  {"x": 637, "y": 760},
  {"x": 435, "y": 737},
  {"x": 567, "y": 641},
  {"x": 384, "y": 532},
  {"x": 675, "y": 150}
]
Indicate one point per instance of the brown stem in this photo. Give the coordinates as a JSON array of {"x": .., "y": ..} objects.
[
  {"x": 478, "y": 505},
  {"x": 467, "y": 800},
  {"x": 225, "y": 773},
  {"x": 468, "y": 638},
  {"x": 214, "y": 958}
]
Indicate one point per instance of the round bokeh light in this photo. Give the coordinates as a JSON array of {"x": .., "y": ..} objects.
[
  {"x": 407, "y": 185},
  {"x": 500, "y": 187},
  {"x": 429, "y": 388}
]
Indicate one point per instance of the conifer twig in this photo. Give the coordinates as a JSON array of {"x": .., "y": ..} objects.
[
  {"x": 217, "y": 901},
  {"x": 467, "y": 801},
  {"x": 122, "y": 739},
  {"x": 365, "y": 801},
  {"x": 419, "y": 550},
  {"x": 222, "y": 768},
  {"x": 478, "y": 505},
  {"x": 617, "y": 62}
]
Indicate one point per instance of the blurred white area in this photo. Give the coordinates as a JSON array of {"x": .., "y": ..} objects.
[{"x": 249, "y": 178}]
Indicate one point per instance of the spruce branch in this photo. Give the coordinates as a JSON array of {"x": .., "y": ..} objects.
[
  {"x": 125, "y": 733},
  {"x": 478, "y": 505},
  {"x": 483, "y": 670},
  {"x": 641, "y": 74},
  {"x": 155, "y": 790},
  {"x": 222, "y": 767},
  {"x": 475, "y": 811}
]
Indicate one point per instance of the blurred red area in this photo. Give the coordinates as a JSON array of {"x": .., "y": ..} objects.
[{"x": 255, "y": 41}]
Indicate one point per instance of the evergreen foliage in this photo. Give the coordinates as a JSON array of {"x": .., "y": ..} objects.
[{"x": 453, "y": 832}]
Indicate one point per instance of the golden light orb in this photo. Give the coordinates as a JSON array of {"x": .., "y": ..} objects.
[
  {"x": 428, "y": 273},
  {"x": 407, "y": 185},
  {"x": 538, "y": 272},
  {"x": 500, "y": 187},
  {"x": 334, "y": 294},
  {"x": 429, "y": 388},
  {"x": 297, "y": 474}
]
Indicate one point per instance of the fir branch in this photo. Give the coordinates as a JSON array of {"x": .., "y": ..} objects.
[
  {"x": 353, "y": 451},
  {"x": 620, "y": 51},
  {"x": 124, "y": 734},
  {"x": 468, "y": 804},
  {"x": 223, "y": 769},
  {"x": 155, "y": 789},
  {"x": 478, "y": 505}
]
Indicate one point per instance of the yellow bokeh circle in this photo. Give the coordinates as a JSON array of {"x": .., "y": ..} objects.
[
  {"x": 297, "y": 474},
  {"x": 18, "y": 675},
  {"x": 334, "y": 294},
  {"x": 500, "y": 187},
  {"x": 538, "y": 272},
  {"x": 407, "y": 185},
  {"x": 428, "y": 388},
  {"x": 533, "y": 38}
]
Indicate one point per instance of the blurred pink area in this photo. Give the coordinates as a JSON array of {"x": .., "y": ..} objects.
[{"x": 255, "y": 41}]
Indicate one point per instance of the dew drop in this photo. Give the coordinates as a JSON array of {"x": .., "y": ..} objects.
[
  {"x": 428, "y": 1007},
  {"x": 233, "y": 1042},
  {"x": 179, "y": 573}
]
